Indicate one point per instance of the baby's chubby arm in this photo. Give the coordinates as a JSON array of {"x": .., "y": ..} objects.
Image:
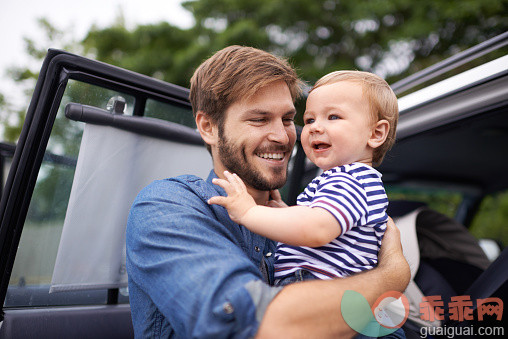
[{"x": 295, "y": 225}]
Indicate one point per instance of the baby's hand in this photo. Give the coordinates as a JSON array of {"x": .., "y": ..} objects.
[
  {"x": 238, "y": 201},
  {"x": 275, "y": 200}
]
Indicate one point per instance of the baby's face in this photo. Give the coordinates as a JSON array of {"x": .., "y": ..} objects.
[{"x": 338, "y": 125}]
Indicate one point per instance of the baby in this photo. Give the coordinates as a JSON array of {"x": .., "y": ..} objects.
[{"x": 337, "y": 227}]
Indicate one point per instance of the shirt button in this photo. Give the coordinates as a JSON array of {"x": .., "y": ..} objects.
[
  {"x": 228, "y": 308},
  {"x": 269, "y": 254},
  {"x": 257, "y": 249}
]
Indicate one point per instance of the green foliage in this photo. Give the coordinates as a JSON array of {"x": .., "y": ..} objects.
[
  {"x": 492, "y": 218},
  {"x": 443, "y": 201},
  {"x": 12, "y": 125},
  {"x": 50, "y": 198},
  {"x": 12, "y": 118},
  {"x": 161, "y": 50},
  {"x": 393, "y": 38}
]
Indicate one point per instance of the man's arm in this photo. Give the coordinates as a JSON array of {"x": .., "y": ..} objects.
[{"x": 313, "y": 307}]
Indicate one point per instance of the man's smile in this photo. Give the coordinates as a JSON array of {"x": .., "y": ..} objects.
[{"x": 272, "y": 156}]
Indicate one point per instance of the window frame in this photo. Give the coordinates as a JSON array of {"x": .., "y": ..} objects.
[{"x": 57, "y": 69}]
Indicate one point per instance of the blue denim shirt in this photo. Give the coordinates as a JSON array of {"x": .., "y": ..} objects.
[{"x": 194, "y": 273}]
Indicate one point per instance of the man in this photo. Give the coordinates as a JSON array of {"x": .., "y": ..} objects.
[{"x": 195, "y": 273}]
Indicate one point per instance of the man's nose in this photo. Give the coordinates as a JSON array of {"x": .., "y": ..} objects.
[{"x": 279, "y": 133}]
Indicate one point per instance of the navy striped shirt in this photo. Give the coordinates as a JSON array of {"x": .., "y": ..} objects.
[{"x": 355, "y": 196}]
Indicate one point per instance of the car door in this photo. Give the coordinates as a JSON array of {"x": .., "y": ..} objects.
[{"x": 91, "y": 131}]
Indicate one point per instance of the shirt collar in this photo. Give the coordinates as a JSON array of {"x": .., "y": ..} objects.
[{"x": 219, "y": 189}]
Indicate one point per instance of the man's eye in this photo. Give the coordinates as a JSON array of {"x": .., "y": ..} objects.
[
  {"x": 288, "y": 120},
  {"x": 258, "y": 120}
]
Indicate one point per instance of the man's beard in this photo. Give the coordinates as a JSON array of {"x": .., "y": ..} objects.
[{"x": 233, "y": 157}]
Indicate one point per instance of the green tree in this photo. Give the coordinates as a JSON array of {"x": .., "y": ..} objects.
[
  {"x": 12, "y": 118},
  {"x": 160, "y": 50},
  {"x": 392, "y": 38}
]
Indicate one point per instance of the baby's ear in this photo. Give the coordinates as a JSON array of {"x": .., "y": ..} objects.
[{"x": 379, "y": 133}]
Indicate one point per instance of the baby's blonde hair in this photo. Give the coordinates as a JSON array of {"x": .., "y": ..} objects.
[{"x": 382, "y": 102}]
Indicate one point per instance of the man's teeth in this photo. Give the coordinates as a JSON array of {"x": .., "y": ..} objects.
[{"x": 273, "y": 156}]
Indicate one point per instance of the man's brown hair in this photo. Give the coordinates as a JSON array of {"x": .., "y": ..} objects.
[
  {"x": 234, "y": 73},
  {"x": 382, "y": 102}
]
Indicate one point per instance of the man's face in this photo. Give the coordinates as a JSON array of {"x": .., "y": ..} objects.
[{"x": 258, "y": 137}]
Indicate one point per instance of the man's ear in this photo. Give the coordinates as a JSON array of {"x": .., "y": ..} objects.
[
  {"x": 206, "y": 128},
  {"x": 379, "y": 133}
]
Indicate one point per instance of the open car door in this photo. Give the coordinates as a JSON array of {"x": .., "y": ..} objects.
[{"x": 94, "y": 135}]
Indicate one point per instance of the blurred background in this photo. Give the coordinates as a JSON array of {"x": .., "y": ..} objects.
[{"x": 168, "y": 39}]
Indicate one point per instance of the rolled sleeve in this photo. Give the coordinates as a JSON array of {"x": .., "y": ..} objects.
[
  {"x": 262, "y": 295},
  {"x": 240, "y": 305},
  {"x": 191, "y": 266}
]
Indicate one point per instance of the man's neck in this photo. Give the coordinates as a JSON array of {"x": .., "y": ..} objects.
[{"x": 260, "y": 197}]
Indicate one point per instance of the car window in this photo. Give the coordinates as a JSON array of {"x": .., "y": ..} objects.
[
  {"x": 34, "y": 264},
  {"x": 168, "y": 112},
  {"x": 490, "y": 220},
  {"x": 6, "y": 153},
  {"x": 438, "y": 199}
]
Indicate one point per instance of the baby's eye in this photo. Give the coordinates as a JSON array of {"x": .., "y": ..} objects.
[
  {"x": 308, "y": 121},
  {"x": 333, "y": 117}
]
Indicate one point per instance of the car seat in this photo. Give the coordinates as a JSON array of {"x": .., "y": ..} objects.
[{"x": 445, "y": 260}]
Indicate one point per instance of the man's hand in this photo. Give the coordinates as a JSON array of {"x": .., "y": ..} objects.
[
  {"x": 238, "y": 201},
  {"x": 321, "y": 317},
  {"x": 391, "y": 257}
]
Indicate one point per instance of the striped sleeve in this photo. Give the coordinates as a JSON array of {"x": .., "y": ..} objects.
[{"x": 344, "y": 197}]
